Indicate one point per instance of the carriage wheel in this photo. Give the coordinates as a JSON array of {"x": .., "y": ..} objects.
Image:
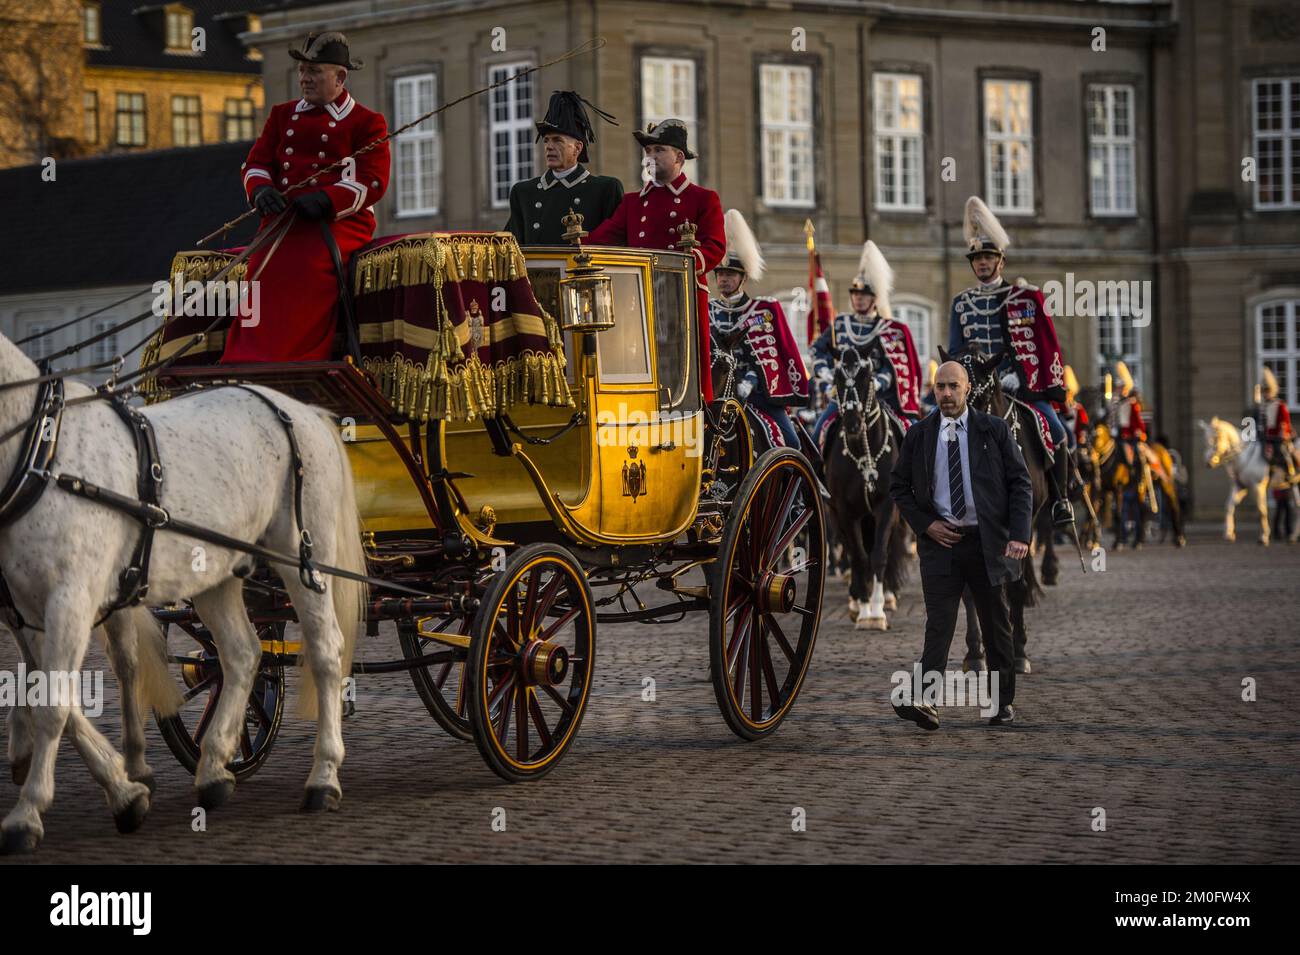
[
  {"x": 200, "y": 672},
  {"x": 442, "y": 686},
  {"x": 531, "y": 657},
  {"x": 766, "y": 595}
]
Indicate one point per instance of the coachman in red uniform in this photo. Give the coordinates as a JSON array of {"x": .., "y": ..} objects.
[
  {"x": 649, "y": 219},
  {"x": 299, "y": 285}
]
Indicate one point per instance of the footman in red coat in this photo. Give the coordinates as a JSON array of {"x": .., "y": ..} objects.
[
  {"x": 299, "y": 285},
  {"x": 649, "y": 219}
]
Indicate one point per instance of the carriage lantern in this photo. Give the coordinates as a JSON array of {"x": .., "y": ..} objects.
[{"x": 586, "y": 295}]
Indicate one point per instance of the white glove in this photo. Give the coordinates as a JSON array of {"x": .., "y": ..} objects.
[
  {"x": 1010, "y": 382},
  {"x": 882, "y": 381},
  {"x": 825, "y": 374},
  {"x": 744, "y": 388}
]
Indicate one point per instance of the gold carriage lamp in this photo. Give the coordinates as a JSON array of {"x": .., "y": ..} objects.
[{"x": 586, "y": 293}]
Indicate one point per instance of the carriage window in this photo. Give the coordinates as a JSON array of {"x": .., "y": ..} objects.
[
  {"x": 545, "y": 280},
  {"x": 673, "y": 351},
  {"x": 623, "y": 350}
]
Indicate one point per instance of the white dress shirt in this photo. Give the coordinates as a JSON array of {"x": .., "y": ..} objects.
[{"x": 953, "y": 429}]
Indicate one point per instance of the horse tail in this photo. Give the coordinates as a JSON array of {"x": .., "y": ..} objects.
[
  {"x": 154, "y": 683},
  {"x": 347, "y": 596},
  {"x": 896, "y": 563}
]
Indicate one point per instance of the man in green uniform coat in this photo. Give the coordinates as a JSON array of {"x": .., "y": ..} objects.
[{"x": 538, "y": 205}]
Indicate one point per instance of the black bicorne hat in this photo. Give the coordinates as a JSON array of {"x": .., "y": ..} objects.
[
  {"x": 565, "y": 114},
  {"x": 670, "y": 132},
  {"x": 331, "y": 47}
]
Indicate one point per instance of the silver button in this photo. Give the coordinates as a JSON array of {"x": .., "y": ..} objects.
[
  {"x": 286, "y": 165},
  {"x": 284, "y": 182},
  {"x": 537, "y": 225},
  {"x": 289, "y": 151},
  {"x": 374, "y": 183},
  {"x": 295, "y": 117},
  {"x": 315, "y": 165},
  {"x": 577, "y": 202},
  {"x": 677, "y": 200},
  {"x": 321, "y": 155},
  {"x": 539, "y": 205},
  {"x": 644, "y": 204},
  {"x": 312, "y": 183},
  {"x": 333, "y": 124},
  {"x": 324, "y": 138},
  {"x": 640, "y": 235},
  {"x": 672, "y": 215},
  {"x": 289, "y": 132},
  {"x": 643, "y": 218}
]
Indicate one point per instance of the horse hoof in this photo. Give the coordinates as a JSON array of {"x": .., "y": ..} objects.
[
  {"x": 129, "y": 818},
  {"x": 891, "y": 602},
  {"x": 19, "y": 842},
  {"x": 148, "y": 781},
  {"x": 1022, "y": 665},
  {"x": 871, "y": 623},
  {"x": 18, "y": 771},
  {"x": 321, "y": 799},
  {"x": 215, "y": 795},
  {"x": 1050, "y": 581},
  {"x": 1180, "y": 541}
]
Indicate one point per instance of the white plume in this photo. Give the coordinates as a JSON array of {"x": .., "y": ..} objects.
[
  {"x": 980, "y": 221},
  {"x": 873, "y": 267},
  {"x": 741, "y": 243}
]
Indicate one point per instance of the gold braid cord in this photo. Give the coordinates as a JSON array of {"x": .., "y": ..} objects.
[{"x": 447, "y": 384}]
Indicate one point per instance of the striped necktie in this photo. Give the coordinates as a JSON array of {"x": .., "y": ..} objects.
[{"x": 956, "y": 489}]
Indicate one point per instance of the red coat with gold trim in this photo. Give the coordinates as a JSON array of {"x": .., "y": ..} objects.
[
  {"x": 298, "y": 291},
  {"x": 649, "y": 219}
]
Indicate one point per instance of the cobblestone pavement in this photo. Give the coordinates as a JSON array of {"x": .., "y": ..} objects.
[{"x": 1134, "y": 706}]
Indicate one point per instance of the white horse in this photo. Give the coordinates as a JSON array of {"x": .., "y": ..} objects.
[
  {"x": 226, "y": 463},
  {"x": 1247, "y": 471}
]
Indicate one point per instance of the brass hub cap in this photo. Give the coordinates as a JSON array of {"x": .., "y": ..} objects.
[
  {"x": 776, "y": 593},
  {"x": 545, "y": 664}
]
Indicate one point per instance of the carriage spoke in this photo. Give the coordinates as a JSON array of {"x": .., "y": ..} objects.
[
  {"x": 560, "y": 701},
  {"x": 539, "y": 721},
  {"x": 755, "y": 695},
  {"x": 259, "y": 711},
  {"x": 804, "y": 611},
  {"x": 461, "y": 699},
  {"x": 738, "y": 678},
  {"x": 769, "y": 675},
  {"x": 208, "y": 712},
  {"x": 521, "y": 721},
  {"x": 781, "y": 640},
  {"x": 737, "y": 638},
  {"x": 505, "y": 684},
  {"x": 531, "y": 597},
  {"x": 440, "y": 679},
  {"x": 503, "y": 718},
  {"x": 784, "y": 540},
  {"x": 198, "y": 688},
  {"x": 563, "y": 621},
  {"x": 245, "y": 744},
  {"x": 547, "y": 600}
]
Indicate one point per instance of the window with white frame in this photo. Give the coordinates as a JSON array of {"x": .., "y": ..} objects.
[
  {"x": 510, "y": 130},
  {"x": 90, "y": 23},
  {"x": 1111, "y": 150},
  {"x": 417, "y": 152},
  {"x": 180, "y": 24},
  {"x": 1277, "y": 332},
  {"x": 41, "y": 347},
  {"x": 786, "y": 138},
  {"x": 1009, "y": 145},
  {"x": 187, "y": 121},
  {"x": 1276, "y": 110},
  {"x": 668, "y": 92},
  {"x": 897, "y": 111},
  {"x": 1119, "y": 339},
  {"x": 917, "y": 318},
  {"x": 105, "y": 349}
]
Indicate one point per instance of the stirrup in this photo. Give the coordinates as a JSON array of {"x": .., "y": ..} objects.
[{"x": 1062, "y": 513}]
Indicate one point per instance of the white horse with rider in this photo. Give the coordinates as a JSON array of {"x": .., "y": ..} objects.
[
  {"x": 226, "y": 457},
  {"x": 1248, "y": 473}
]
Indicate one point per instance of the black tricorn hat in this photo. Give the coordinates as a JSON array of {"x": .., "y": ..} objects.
[
  {"x": 565, "y": 114},
  {"x": 331, "y": 47},
  {"x": 670, "y": 132}
]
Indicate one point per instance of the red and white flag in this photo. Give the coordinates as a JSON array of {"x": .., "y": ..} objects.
[{"x": 820, "y": 313}]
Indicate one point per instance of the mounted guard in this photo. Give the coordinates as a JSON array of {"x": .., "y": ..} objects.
[
  {"x": 1273, "y": 425},
  {"x": 1000, "y": 318},
  {"x": 303, "y": 273},
  {"x": 870, "y": 331},
  {"x": 770, "y": 373}
]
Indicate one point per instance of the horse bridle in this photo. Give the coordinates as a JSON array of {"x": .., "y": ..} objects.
[{"x": 871, "y": 411}]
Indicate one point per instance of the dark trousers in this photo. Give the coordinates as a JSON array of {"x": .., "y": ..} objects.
[{"x": 942, "y": 601}]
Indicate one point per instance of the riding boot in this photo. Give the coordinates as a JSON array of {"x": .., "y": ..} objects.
[{"x": 1058, "y": 481}]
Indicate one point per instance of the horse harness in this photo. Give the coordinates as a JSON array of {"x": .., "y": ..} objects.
[{"x": 32, "y": 476}]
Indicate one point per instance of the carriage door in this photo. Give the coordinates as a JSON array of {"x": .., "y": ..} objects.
[{"x": 639, "y": 463}]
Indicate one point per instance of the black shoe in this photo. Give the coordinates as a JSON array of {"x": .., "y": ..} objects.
[
  {"x": 1062, "y": 513},
  {"x": 923, "y": 715},
  {"x": 1022, "y": 665},
  {"x": 1005, "y": 715}
]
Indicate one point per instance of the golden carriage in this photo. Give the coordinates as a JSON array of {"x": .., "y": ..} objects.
[{"x": 530, "y": 478}]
